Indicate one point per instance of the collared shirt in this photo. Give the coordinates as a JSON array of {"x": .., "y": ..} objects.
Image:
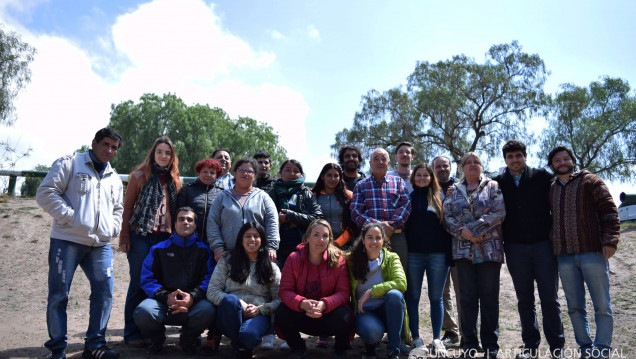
[
  {"x": 376, "y": 201},
  {"x": 226, "y": 181},
  {"x": 516, "y": 178}
]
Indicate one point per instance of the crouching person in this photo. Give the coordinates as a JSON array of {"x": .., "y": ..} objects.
[
  {"x": 244, "y": 286},
  {"x": 175, "y": 276}
]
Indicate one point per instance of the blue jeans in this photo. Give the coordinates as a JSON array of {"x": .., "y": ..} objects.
[
  {"x": 97, "y": 264},
  {"x": 528, "y": 263},
  {"x": 479, "y": 292},
  {"x": 243, "y": 333},
  {"x": 389, "y": 317},
  {"x": 434, "y": 264},
  {"x": 139, "y": 249},
  {"x": 152, "y": 317},
  {"x": 591, "y": 269}
]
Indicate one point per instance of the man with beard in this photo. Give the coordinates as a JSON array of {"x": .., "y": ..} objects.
[
  {"x": 526, "y": 238},
  {"x": 442, "y": 167},
  {"x": 584, "y": 235},
  {"x": 350, "y": 159},
  {"x": 225, "y": 180},
  {"x": 404, "y": 154}
]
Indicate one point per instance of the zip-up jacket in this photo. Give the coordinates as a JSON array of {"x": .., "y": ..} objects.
[
  {"x": 227, "y": 216},
  {"x": 86, "y": 209},
  {"x": 177, "y": 263},
  {"x": 199, "y": 197}
]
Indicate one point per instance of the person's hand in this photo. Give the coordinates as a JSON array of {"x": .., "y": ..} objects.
[
  {"x": 363, "y": 299},
  {"x": 608, "y": 251},
  {"x": 272, "y": 255},
  {"x": 124, "y": 244},
  {"x": 218, "y": 254},
  {"x": 312, "y": 308},
  {"x": 179, "y": 305},
  {"x": 251, "y": 311},
  {"x": 307, "y": 305},
  {"x": 388, "y": 228},
  {"x": 468, "y": 235},
  {"x": 282, "y": 216}
]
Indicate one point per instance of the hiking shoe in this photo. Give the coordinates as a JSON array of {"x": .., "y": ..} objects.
[
  {"x": 102, "y": 352},
  {"x": 393, "y": 355},
  {"x": 450, "y": 339},
  {"x": 284, "y": 345},
  {"x": 438, "y": 348},
  {"x": 369, "y": 351},
  {"x": 268, "y": 342},
  {"x": 322, "y": 342},
  {"x": 528, "y": 353}
]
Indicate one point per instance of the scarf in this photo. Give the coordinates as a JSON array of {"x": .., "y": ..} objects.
[
  {"x": 150, "y": 198},
  {"x": 285, "y": 190}
]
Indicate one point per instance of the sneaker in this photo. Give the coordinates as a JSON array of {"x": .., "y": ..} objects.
[
  {"x": 57, "y": 354},
  {"x": 393, "y": 355},
  {"x": 298, "y": 353},
  {"x": 284, "y": 345},
  {"x": 417, "y": 343},
  {"x": 268, "y": 342},
  {"x": 450, "y": 339},
  {"x": 322, "y": 342},
  {"x": 100, "y": 353},
  {"x": 405, "y": 349},
  {"x": 438, "y": 348},
  {"x": 528, "y": 353},
  {"x": 369, "y": 351}
]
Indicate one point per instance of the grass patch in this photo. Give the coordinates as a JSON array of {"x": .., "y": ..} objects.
[
  {"x": 26, "y": 208},
  {"x": 628, "y": 225},
  {"x": 37, "y": 215}
]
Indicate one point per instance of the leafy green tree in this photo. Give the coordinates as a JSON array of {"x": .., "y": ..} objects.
[
  {"x": 599, "y": 124},
  {"x": 15, "y": 56},
  {"x": 454, "y": 106},
  {"x": 196, "y": 132},
  {"x": 30, "y": 185}
]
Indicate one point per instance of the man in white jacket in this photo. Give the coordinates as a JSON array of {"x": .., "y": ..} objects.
[{"x": 84, "y": 195}]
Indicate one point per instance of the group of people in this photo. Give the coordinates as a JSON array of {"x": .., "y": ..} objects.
[{"x": 245, "y": 254}]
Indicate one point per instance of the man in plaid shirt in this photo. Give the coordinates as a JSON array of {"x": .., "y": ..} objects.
[{"x": 383, "y": 198}]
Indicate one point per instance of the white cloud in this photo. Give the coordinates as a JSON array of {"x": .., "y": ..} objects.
[
  {"x": 313, "y": 32},
  {"x": 162, "y": 46},
  {"x": 276, "y": 35}
]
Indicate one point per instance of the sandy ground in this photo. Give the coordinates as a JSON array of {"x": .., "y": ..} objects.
[{"x": 24, "y": 243}]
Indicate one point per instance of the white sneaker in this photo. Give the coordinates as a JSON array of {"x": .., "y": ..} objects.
[
  {"x": 417, "y": 343},
  {"x": 418, "y": 347},
  {"x": 268, "y": 342},
  {"x": 284, "y": 345},
  {"x": 438, "y": 348}
]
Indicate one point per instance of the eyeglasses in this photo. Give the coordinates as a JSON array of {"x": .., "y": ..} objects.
[
  {"x": 185, "y": 219},
  {"x": 244, "y": 171}
]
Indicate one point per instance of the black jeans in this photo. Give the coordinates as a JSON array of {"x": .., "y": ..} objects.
[
  {"x": 338, "y": 322},
  {"x": 479, "y": 291},
  {"x": 528, "y": 263}
]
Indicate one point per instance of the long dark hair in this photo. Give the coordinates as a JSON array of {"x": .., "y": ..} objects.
[
  {"x": 240, "y": 262},
  {"x": 358, "y": 258},
  {"x": 146, "y": 166},
  {"x": 434, "y": 199},
  {"x": 340, "y": 193}
]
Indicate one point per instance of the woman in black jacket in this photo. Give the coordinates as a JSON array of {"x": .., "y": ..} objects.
[
  {"x": 296, "y": 206},
  {"x": 199, "y": 194},
  {"x": 429, "y": 250}
]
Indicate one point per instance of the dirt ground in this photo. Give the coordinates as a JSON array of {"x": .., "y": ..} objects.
[{"x": 24, "y": 243}]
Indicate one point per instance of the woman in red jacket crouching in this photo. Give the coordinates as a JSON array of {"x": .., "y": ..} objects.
[{"x": 314, "y": 289}]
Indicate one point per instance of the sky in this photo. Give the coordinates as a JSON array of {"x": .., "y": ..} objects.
[{"x": 300, "y": 66}]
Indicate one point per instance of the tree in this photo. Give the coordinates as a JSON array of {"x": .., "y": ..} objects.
[
  {"x": 15, "y": 57},
  {"x": 30, "y": 185},
  {"x": 599, "y": 124},
  {"x": 196, "y": 132},
  {"x": 454, "y": 106}
]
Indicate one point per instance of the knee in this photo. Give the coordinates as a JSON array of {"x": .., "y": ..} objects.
[
  {"x": 369, "y": 331},
  {"x": 230, "y": 301},
  {"x": 394, "y": 297},
  {"x": 250, "y": 339},
  {"x": 144, "y": 316}
]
